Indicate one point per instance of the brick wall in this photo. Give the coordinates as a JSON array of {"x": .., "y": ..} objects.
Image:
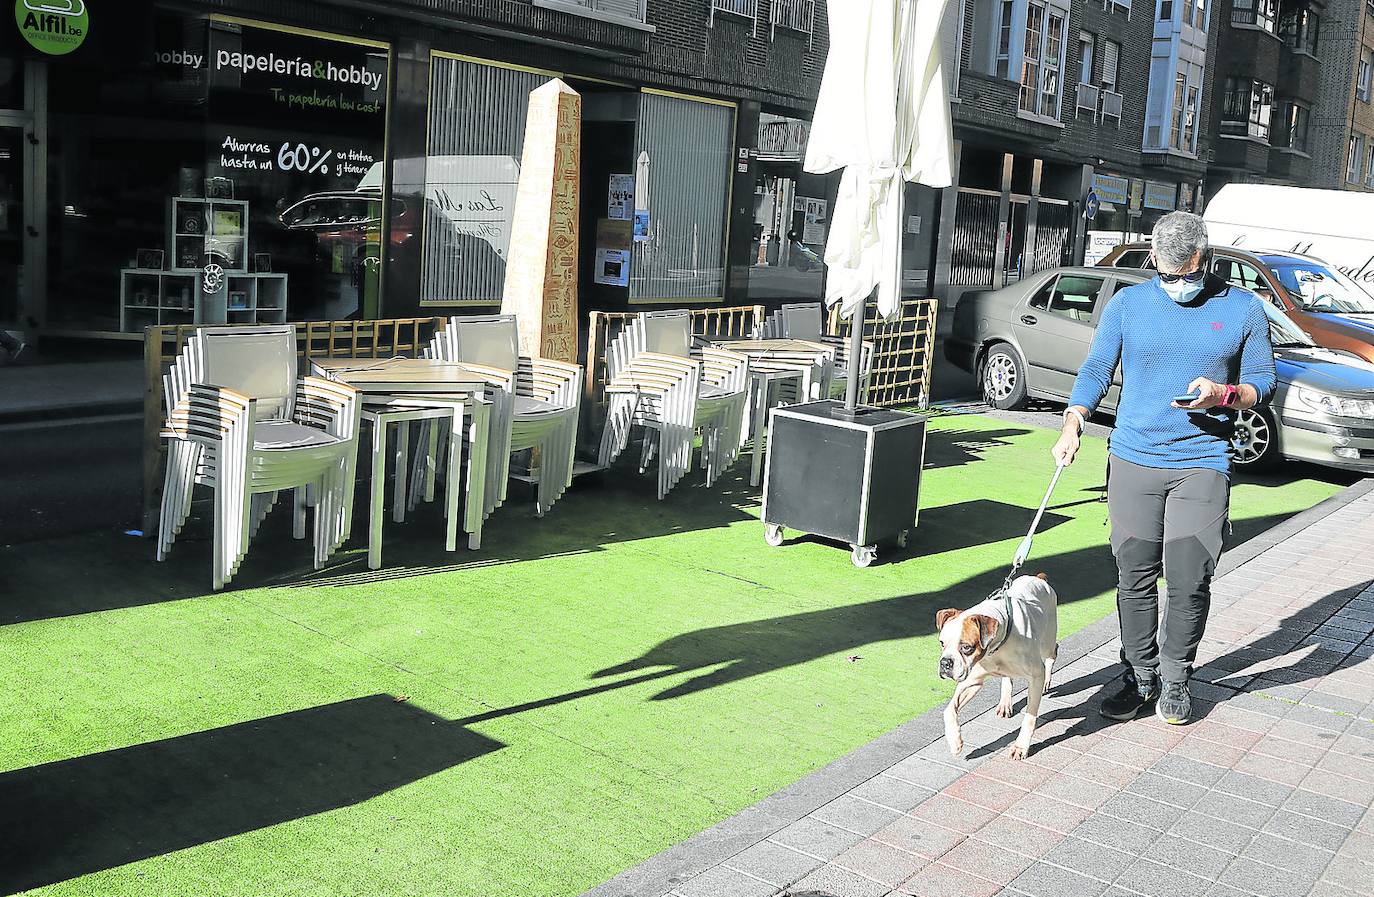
[{"x": 1346, "y": 28}]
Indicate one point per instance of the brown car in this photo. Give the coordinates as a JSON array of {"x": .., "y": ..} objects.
[{"x": 1328, "y": 306}]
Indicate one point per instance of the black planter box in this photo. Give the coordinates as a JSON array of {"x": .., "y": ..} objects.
[{"x": 857, "y": 481}]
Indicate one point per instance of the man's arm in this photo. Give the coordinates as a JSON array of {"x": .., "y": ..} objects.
[
  {"x": 1093, "y": 381},
  {"x": 1258, "y": 379}
]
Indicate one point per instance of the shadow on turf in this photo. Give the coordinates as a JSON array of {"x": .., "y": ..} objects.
[{"x": 73, "y": 817}]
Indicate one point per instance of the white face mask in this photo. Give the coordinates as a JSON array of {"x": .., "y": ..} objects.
[{"x": 1181, "y": 291}]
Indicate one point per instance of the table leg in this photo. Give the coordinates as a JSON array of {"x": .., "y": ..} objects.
[
  {"x": 479, "y": 416},
  {"x": 453, "y": 479},
  {"x": 432, "y": 460},
  {"x": 378, "y": 497},
  {"x": 398, "y": 511}
]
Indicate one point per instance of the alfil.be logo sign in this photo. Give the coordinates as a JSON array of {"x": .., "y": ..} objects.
[{"x": 55, "y": 27}]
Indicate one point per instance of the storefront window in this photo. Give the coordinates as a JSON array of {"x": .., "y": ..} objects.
[
  {"x": 791, "y": 215},
  {"x": 215, "y": 171},
  {"x": 684, "y": 148},
  {"x": 476, "y": 138}
]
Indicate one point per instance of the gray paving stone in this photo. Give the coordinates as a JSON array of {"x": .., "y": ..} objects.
[
  {"x": 1349, "y": 872},
  {"x": 1221, "y": 890},
  {"x": 880, "y": 862},
  {"x": 1190, "y": 856},
  {"x": 1233, "y": 808},
  {"x": 1044, "y": 880},
  {"x": 1265, "y": 881},
  {"x": 848, "y": 811},
  {"x": 820, "y": 839},
  {"x": 773, "y": 863},
  {"x": 722, "y": 882},
  {"x": 1327, "y": 809},
  {"x": 837, "y": 882},
  {"x": 1254, "y": 788},
  {"x": 919, "y": 836},
  {"x": 1306, "y": 830},
  {"x": 1117, "y": 833},
  {"x": 1338, "y": 703},
  {"x": 892, "y": 793},
  {"x": 1188, "y": 770},
  {"x": 924, "y": 772},
  {"x": 1143, "y": 811},
  {"x": 1291, "y": 855},
  {"x": 1090, "y": 859},
  {"x": 1224, "y": 836},
  {"x": 1319, "y": 718},
  {"x": 1155, "y": 880}
]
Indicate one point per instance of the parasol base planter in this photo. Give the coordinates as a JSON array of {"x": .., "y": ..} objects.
[{"x": 853, "y": 479}]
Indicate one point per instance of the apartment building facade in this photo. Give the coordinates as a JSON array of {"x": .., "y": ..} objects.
[
  {"x": 1343, "y": 118},
  {"x": 1271, "y": 63}
]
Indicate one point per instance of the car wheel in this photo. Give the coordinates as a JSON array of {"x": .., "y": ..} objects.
[
  {"x": 1004, "y": 378},
  {"x": 1254, "y": 444}
]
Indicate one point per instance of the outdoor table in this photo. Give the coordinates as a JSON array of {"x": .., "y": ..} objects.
[
  {"x": 403, "y": 391},
  {"x": 775, "y": 361}
]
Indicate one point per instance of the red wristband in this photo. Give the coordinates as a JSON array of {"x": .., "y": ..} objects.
[{"x": 1229, "y": 397}]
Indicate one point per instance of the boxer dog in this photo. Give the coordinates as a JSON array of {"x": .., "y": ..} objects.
[{"x": 1009, "y": 634}]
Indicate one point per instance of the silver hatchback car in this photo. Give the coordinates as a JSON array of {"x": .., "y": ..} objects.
[{"x": 1029, "y": 340}]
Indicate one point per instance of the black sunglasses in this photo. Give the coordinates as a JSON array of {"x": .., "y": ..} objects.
[{"x": 1191, "y": 276}]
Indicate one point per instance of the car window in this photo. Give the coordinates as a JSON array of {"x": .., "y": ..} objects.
[
  {"x": 1318, "y": 287},
  {"x": 1240, "y": 274},
  {"x": 1133, "y": 258},
  {"x": 1041, "y": 299},
  {"x": 1074, "y": 296}
]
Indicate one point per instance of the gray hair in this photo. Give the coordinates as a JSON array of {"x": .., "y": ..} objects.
[{"x": 1177, "y": 238}]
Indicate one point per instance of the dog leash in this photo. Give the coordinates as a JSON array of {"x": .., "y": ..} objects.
[{"x": 1022, "y": 553}]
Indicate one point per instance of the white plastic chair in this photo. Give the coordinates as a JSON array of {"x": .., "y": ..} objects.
[
  {"x": 804, "y": 321},
  {"x": 535, "y": 402},
  {"x": 239, "y": 421},
  {"x": 655, "y": 378}
]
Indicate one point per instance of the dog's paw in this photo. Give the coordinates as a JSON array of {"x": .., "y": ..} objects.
[
  {"x": 956, "y": 747},
  {"x": 1005, "y": 710},
  {"x": 1017, "y": 752}
]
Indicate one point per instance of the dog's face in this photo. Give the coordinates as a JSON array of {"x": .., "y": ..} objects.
[{"x": 963, "y": 641}]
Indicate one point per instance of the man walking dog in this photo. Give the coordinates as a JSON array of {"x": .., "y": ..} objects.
[{"x": 1193, "y": 350}]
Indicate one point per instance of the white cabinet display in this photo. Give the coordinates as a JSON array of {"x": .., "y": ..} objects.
[{"x": 201, "y": 234}]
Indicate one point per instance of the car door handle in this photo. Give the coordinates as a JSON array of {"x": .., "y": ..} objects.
[{"x": 1028, "y": 320}]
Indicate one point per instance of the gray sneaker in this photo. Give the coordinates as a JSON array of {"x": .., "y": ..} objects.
[{"x": 1175, "y": 704}]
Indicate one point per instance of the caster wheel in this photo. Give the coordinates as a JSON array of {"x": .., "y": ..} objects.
[
  {"x": 863, "y": 555},
  {"x": 902, "y": 538},
  {"x": 772, "y": 534}
]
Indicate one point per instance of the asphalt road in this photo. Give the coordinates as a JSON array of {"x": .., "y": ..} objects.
[{"x": 68, "y": 476}]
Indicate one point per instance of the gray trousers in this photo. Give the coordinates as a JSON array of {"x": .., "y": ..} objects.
[{"x": 1166, "y": 522}]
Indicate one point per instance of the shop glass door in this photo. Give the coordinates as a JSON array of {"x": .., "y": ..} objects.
[{"x": 11, "y": 224}]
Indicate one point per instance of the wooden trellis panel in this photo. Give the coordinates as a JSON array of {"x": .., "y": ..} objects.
[{"x": 903, "y": 352}]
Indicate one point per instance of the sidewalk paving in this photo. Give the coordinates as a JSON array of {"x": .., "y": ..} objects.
[
  {"x": 32, "y": 391},
  {"x": 1268, "y": 792}
]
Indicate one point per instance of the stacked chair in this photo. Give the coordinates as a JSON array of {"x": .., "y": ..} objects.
[
  {"x": 535, "y": 402},
  {"x": 241, "y": 422},
  {"x": 657, "y": 380},
  {"x": 803, "y": 321}
]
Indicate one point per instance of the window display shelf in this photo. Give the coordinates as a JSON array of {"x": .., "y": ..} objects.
[{"x": 180, "y": 298}]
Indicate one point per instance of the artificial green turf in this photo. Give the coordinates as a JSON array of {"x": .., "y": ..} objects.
[{"x": 589, "y": 689}]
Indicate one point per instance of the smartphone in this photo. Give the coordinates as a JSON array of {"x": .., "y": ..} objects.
[{"x": 1187, "y": 400}]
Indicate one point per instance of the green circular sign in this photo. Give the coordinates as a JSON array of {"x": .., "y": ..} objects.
[{"x": 55, "y": 27}]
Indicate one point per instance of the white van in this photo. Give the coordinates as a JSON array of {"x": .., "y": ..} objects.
[{"x": 1333, "y": 225}]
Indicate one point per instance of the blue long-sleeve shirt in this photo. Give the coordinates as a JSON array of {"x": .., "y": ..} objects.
[{"x": 1163, "y": 346}]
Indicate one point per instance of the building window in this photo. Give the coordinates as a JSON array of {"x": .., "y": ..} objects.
[
  {"x": 1369, "y": 168},
  {"x": 1195, "y": 13},
  {"x": 1247, "y": 107},
  {"x": 1295, "y": 123},
  {"x": 1004, "y": 38},
  {"x": 683, "y": 149},
  {"x": 1255, "y": 14},
  {"x": 1166, "y": 10},
  {"x": 1299, "y": 26},
  {"x": 1111, "y": 63},
  {"x": 619, "y": 9},
  {"x": 1354, "y": 164},
  {"x": 1053, "y": 66},
  {"x": 1366, "y": 69},
  {"x": 1190, "y": 121},
  {"x": 1087, "y": 44},
  {"x": 1030, "y": 64},
  {"x": 796, "y": 15},
  {"x": 1180, "y": 111}
]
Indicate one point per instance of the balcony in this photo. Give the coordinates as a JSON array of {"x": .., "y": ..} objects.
[
  {"x": 794, "y": 15},
  {"x": 747, "y": 9},
  {"x": 1089, "y": 97},
  {"x": 1111, "y": 106},
  {"x": 619, "y": 11}
]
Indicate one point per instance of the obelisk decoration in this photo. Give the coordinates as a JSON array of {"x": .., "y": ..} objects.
[{"x": 541, "y": 270}]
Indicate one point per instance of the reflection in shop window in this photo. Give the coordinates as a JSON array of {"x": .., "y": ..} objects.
[
  {"x": 476, "y": 139},
  {"x": 685, "y": 147}
]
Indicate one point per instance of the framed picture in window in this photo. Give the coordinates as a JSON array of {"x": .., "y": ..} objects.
[
  {"x": 238, "y": 300},
  {"x": 262, "y": 262},
  {"x": 148, "y": 259},
  {"x": 219, "y": 188}
]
